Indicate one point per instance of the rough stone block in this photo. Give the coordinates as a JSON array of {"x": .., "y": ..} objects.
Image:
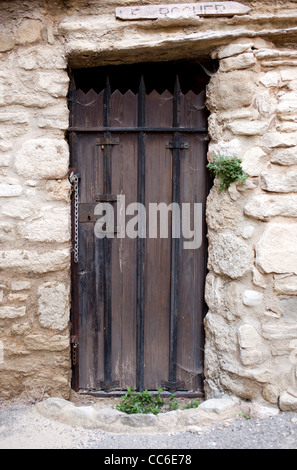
[
  {"x": 5, "y": 160},
  {"x": 84, "y": 416},
  {"x": 271, "y": 393},
  {"x": 20, "y": 285},
  {"x": 266, "y": 104},
  {"x": 52, "y": 407},
  {"x": 218, "y": 405},
  {"x": 252, "y": 357},
  {"x": 287, "y": 402},
  {"x": 272, "y": 140},
  {"x": 265, "y": 206},
  {"x": 252, "y": 298},
  {"x": 54, "y": 83},
  {"x": 288, "y": 74},
  {"x": 289, "y": 308},
  {"x": 6, "y": 40},
  {"x": 258, "y": 279},
  {"x": 107, "y": 416},
  {"x": 42, "y": 57},
  {"x": 284, "y": 157},
  {"x": 280, "y": 330},
  {"x": 258, "y": 411},
  {"x": 58, "y": 190},
  {"x": 279, "y": 182},
  {"x": 231, "y": 90},
  {"x": 230, "y": 255},
  {"x": 287, "y": 104},
  {"x": 248, "y": 337},
  {"x": 285, "y": 284},
  {"x": 233, "y": 49},
  {"x": 43, "y": 342},
  {"x": 14, "y": 117},
  {"x": 19, "y": 209},
  {"x": 43, "y": 159},
  {"x": 276, "y": 252},
  {"x": 25, "y": 261},
  {"x": 270, "y": 79},
  {"x": 53, "y": 305},
  {"x": 10, "y": 190},
  {"x": 52, "y": 225},
  {"x": 139, "y": 421},
  {"x": 247, "y": 127},
  {"x": 29, "y": 31},
  {"x": 18, "y": 297},
  {"x": 242, "y": 61},
  {"x": 254, "y": 161},
  {"x": 55, "y": 118},
  {"x": 12, "y": 312}
]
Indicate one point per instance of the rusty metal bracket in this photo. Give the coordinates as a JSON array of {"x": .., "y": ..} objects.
[
  {"x": 173, "y": 386},
  {"x": 107, "y": 385},
  {"x": 108, "y": 141},
  {"x": 177, "y": 145},
  {"x": 106, "y": 198},
  {"x": 74, "y": 343}
]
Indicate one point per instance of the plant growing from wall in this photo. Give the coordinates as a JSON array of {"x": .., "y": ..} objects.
[{"x": 227, "y": 169}]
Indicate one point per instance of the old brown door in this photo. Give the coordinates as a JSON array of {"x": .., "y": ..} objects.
[{"x": 138, "y": 303}]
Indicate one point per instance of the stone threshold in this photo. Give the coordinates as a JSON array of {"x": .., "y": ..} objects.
[{"x": 210, "y": 412}]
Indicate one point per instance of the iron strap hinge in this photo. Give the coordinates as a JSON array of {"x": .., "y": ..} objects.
[
  {"x": 177, "y": 145},
  {"x": 173, "y": 386},
  {"x": 108, "y": 141}
]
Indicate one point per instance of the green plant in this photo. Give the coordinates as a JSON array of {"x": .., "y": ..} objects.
[
  {"x": 227, "y": 169},
  {"x": 193, "y": 404},
  {"x": 244, "y": 416},
  {"x": 173, "y": 403},
  {"x": 144, "y": 402},
  {"x": 140, "y": 402}
]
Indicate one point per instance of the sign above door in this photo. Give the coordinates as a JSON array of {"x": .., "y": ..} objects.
[{"x": 151, "y": 12}]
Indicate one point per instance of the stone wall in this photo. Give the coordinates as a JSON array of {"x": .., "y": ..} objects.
[
  {"x": 251, "y": 326},
  {"x": 34, "y": 206}
]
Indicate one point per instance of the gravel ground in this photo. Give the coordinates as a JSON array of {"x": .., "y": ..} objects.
[{"x": 22, "y": 427}]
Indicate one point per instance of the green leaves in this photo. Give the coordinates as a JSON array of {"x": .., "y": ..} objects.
[
  {"x": 140, "y": 402},
  {"x": 145, "y": 402},
  {"x": 228, "y": 170}
]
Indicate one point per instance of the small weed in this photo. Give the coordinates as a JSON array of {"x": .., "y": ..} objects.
[
  {"x": 144, "y": 402},
  {"x": 227, "y": 169},
  {"x": 173, "y": 403},
  {"x": 244, "y": 416},
  {"x": 193, "y": 404},
  {"x": 141, "y": 402}
]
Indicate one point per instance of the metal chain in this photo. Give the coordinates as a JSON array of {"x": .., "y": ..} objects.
[{"x": 74, "y": 179}]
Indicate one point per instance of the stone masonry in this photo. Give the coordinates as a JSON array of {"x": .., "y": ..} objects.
[{"x": 251, "y": 287}]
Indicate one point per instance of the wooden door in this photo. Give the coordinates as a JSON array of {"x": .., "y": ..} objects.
[{"x": 138, "y": 303}]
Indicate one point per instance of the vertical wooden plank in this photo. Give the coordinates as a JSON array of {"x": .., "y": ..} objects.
[
  {"x": 124, "y": 262},
  {"x": 159, "y": 109},
  {"x": 141, "y": 198},
  {"x": 88, "y": 109},
  {"x": 157, "y": 265},
  {"x": 192, "y": 269},
  {"x": 124, "y": 109},
  {"x": 89, "y": 276},
  {"x": 124, "y": 250},
  {"x": 193, "y": 111},
  {"x": 175, "y": 249}
]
